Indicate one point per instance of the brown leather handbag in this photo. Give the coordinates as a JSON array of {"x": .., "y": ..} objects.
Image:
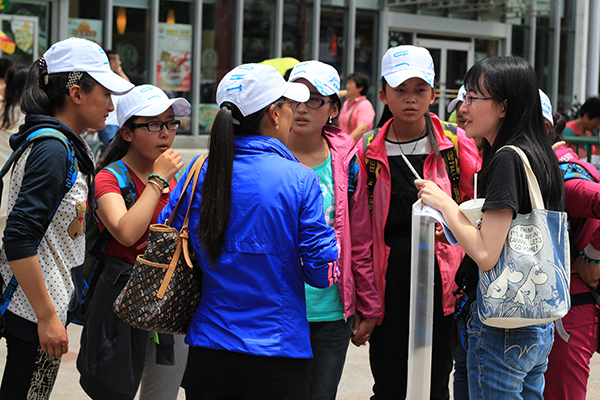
[{"x": 163, "y": 291}]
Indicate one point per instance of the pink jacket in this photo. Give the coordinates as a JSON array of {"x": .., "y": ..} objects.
[
  {"x": 448, "y": 257},
  {"x": 582, "y": 200},
  {"x": 352, "y": 227}
]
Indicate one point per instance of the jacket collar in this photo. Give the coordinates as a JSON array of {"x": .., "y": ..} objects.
[{"x": 256, "y": 143}]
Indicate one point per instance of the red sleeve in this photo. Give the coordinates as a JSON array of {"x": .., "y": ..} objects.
[{"x": 105, "y": 182}]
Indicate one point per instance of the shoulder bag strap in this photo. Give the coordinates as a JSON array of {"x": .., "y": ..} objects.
[
  {"x": 535, "y": 194},
  {"x": 194, "y": 173},
  {"x": 352, "y": 112}
]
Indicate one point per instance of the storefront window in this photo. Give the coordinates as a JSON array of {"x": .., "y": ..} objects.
[
  {"x": 259, "y": 30},
  {"x": 331, "y": 46},
  {"x": 173, "y": 66},
  {"x": 27, "y": 24},
  {"x": 365, "y": 43},
  {"x": 297, "y": 28},
  {"x": 130, "y": 40},
  {"x": 217, "y": 55},
  {"x": 84, "y": 21}
]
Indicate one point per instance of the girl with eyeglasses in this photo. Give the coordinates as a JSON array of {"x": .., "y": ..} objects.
[
  {"x": 350, "y": 308},
  {"x": 67, "y": 90},
  {"x": 257, "y": 227},
  {"x": 141, "y": 148},
  {"x": 502, "y": 106}
]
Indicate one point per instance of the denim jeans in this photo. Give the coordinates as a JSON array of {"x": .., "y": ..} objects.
[
  {"x": 506, "y": 364},
  {"x": 329, "y": 341},
  {"x": 106, "y": 135},
  {"x": 461, "y": 382}
]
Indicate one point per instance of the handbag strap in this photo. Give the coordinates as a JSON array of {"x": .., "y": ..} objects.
[
  {"x": 194, "y": 173},
  {"x": 535, "y": 195}
]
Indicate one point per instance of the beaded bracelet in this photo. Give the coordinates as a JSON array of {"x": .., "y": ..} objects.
[
  {"x": 157, "y": 185},
  {"x": 163, "y": 180},
  {"x": 588, "y": 260}
]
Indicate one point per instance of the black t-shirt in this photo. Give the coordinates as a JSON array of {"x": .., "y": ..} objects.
[{"x": 507, "y": 185}]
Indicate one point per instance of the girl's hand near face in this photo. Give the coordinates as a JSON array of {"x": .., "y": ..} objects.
[{"x": 167, "y": 164}]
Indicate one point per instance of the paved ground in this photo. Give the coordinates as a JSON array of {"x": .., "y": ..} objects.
[
  {"x": 356, "y": 381},
  {"x": 355, "y": 385}
]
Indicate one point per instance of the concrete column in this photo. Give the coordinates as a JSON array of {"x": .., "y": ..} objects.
[
  {"x": 350, "y": 37},
  {"x": 593, "y": 61},
  {"x": 315, "y": 36}
]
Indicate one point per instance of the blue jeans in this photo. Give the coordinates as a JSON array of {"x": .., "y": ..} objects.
[
  {"x": 105, "y": 135},
  {"x": 506, "y": 364},
  {"x": 329, "y": 341},
  {"x": 461, "y": 382}
]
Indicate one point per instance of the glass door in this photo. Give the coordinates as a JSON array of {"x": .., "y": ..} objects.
[{"x": 451, "y": 60}]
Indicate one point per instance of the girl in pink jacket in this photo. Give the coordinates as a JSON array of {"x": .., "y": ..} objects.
[
  {"x": 350, "y": 308},
  {"x": 407, "y": 89}
]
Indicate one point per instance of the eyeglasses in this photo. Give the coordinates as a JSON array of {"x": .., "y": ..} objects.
[
  {"x": 157, "y": 126},
  {"x": 315, "y": 102},
  {"x": 469, "y": 98}
]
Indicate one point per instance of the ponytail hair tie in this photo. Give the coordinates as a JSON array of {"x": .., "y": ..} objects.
[{"x": 43, "y": 66}]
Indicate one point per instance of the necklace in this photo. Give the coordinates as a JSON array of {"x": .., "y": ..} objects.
[{"x": 421, "y": 136}]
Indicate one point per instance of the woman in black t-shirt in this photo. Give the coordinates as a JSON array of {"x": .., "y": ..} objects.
[{"x": 502, "y": 106}]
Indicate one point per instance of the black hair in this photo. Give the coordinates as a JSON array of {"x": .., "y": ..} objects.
[
  {"x": 5, "y": 64},
  {"x": 111, "y": 54},
  {"x": 216, "y": 187},
  {"x": 557, "y": 129},
  {"x": 361, "y": 80},
  {"x": 512, "y": 81},
  {"x": 45, "y": 93},
  {"x": 591, "y": 107},
  {"x": 118, "y": 147},
  {"x": 15, "y": 83},
  {"x": 387, "y": 115}
]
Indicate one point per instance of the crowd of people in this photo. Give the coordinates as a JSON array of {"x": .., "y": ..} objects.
[{"x": 300, "y": 224}]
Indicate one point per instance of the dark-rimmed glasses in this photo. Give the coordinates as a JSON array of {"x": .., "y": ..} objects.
[
  {"x": 469, "y": 98},
  {"x": 315, "y": 102},
  {"x": 157, "y": 126}
]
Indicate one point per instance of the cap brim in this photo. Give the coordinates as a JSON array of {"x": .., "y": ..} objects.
[
  {"x": 113, "y": 82},
  {"x": 452, "y": 105},
  {"x": 398, "y": 78},
  {"x": 181, "y": 108},
  {"x": 296, "y": 91}
]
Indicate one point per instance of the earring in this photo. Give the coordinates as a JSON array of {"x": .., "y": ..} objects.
[
  {"x": 277, "y": 126},
  {"x": 330, "y": 120}
]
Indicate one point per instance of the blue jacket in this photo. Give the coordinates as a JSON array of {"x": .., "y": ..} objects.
[{"x": 253, "y": 297}]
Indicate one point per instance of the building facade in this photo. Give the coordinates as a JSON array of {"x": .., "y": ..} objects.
[{"x": 187, "y": 46}]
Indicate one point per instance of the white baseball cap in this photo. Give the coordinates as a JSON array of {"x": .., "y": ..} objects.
[
  {"x": 546, "y": 107},
  {"x": 404, "y": 62},
  {"x": 149, "y": 101},
  {"x": 252, "y": 87},
  {"x": 322, "y": 76},
  {"x": 460, "y": 97},
  {"x": 76, "y": 54}
]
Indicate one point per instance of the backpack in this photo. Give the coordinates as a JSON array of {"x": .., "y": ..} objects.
[
  {"x": 353, "y": 168},
  {"x": 72, "y": 170},
  {"x": 450, "y": 157},
  {"x": 97, "y": 241}
]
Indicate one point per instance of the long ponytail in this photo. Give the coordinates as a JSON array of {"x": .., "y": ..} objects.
[
  {"x": 45, "y": 93},
  {"x": 216, "y": 188}
]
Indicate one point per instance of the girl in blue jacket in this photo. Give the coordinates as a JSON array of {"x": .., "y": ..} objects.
[{"x": 258, "y": 230}]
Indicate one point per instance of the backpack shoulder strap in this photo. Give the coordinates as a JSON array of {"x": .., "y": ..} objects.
[
  {"x": 40, "y": 134},
  {"x": 573, "y": 170},
  {"x": 372, "y": 166},
  {"x": 353, "y": 169},
  {"x": 121, "y": 172},
  {"x": 451, "y": 160}
]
